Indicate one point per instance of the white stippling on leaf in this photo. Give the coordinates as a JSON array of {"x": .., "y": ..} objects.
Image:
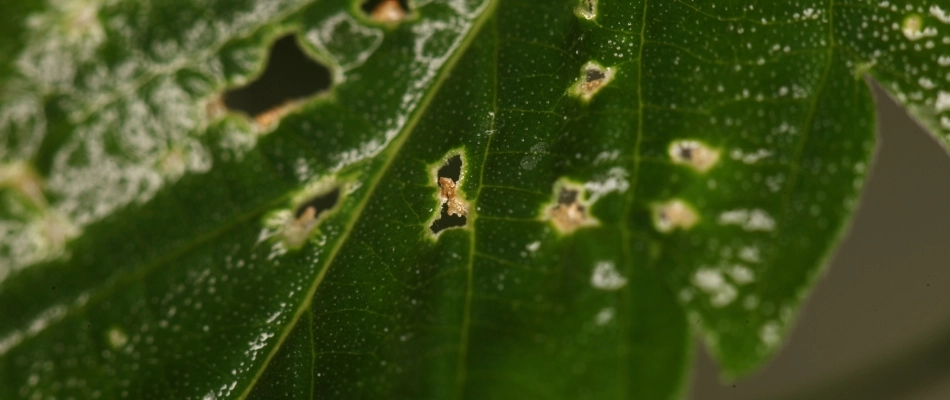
[
  {"x": 606, "y": 277},
  {"x": 750, "y": 220},
  {"x": 712, "y": 282}
]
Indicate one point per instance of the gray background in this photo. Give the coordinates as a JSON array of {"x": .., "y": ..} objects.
[{"x": 877, "y": 325}]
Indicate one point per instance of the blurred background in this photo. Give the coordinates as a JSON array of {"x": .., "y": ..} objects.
[{"x": 877, "y": 326}]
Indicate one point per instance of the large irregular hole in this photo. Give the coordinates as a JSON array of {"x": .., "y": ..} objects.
[
  {"x": 454, "y": 209},
  {"x": 306, "y": 216},
  {"x": 386, "y": 11},
  {"x": 289, "y": 77}
]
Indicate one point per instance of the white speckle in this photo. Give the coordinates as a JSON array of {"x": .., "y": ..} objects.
[
  {"x": 274, "y": 316},
  {"x": 344, "y": 39},
  {"x": 741, "y": 274},
  {"x": 302, "y": 169},
  {"x": 940, "y": 14},
  {"x": 944, "y": 61},
  {"x": 750, "y": 254},
  {"x": 261, "y": 341},
  {"x": 750, "y": 158},
  {"x": 607, "y": 156},
  {"x": 604, "y": 316},
  {"x": 754, "y": 220},
  {"x": 39, "y": 324},
  {"x": 943, "y": 101},
  {"x": 529, "y": 161},
  {"x": 750, "y": 302},
  {"x": 913, "y": 28},
  {"x": 769, "y": 334},
  {"x": 117, "y": 338},
  {"x": 533, "y": 246},
  {"x": 686, "y": 295},
  {"x": 606, "y": 277},
  {"x": 614, "y": 181},
  {"x": 713, "y": 283},
  {"x": 926, "y": 83}
]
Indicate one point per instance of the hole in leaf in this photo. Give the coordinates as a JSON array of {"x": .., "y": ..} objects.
[
  {"x": 587, "y": 9},
  {"x": 386, "y": 11},
  {"x": 570, "y": 212},
  {"x": 568, "y": 197},
  {"x": 290, "y": 76},
  {"x": 454, "y": 209},
  {"x": 298, "y": 230},
  {"x": 694, "y": 154},
  {"x": 320, "y": 203},
  {"x": 593, "y": 78},
  {"x": 452, "y": 168},
  {"x": 447, "y": 221},
  {"x": 674, "y": 214},
  {"x": 594, "y": 75}
]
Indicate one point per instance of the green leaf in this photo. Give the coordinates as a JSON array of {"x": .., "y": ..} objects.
[{"x": 631, "y": 172}]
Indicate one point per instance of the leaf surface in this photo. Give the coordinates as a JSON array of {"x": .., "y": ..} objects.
[{"x": 630, "y": 172}]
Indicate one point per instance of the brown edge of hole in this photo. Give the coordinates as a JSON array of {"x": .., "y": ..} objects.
[
  {"x": 569, "y": 212},
  {"x": 308, "y": 214},
  {"x": 454, "y": 211},
  {"x": 386, "y": 11}
]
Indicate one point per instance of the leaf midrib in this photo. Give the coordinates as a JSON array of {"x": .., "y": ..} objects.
[{"x": 390, "y": 155}]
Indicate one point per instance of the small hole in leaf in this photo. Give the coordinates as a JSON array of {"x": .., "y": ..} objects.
[
  {"x": 570, "y": 212},
  {"x": 594, "y": 75},
  {"x": 320, "y": 203},
  {"x": 307, "y": 215},
  {"x": 593, "y": 78},
  {"x": 446, "y": 221},
  {"x": 587, "y": 9},
  {"x": 386, "y": 10},
  {"x": 693, "y": 153},
  {"x": 674, "y": 214},
  {"x": 290, "y": 76},
  {"x": 567, "y": 197},
  {"x": 452, "y": 168},
  {"x": 454, "y": 210}
]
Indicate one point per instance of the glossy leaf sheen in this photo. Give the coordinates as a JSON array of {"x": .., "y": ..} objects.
[{"x": 152, "y": 263}]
